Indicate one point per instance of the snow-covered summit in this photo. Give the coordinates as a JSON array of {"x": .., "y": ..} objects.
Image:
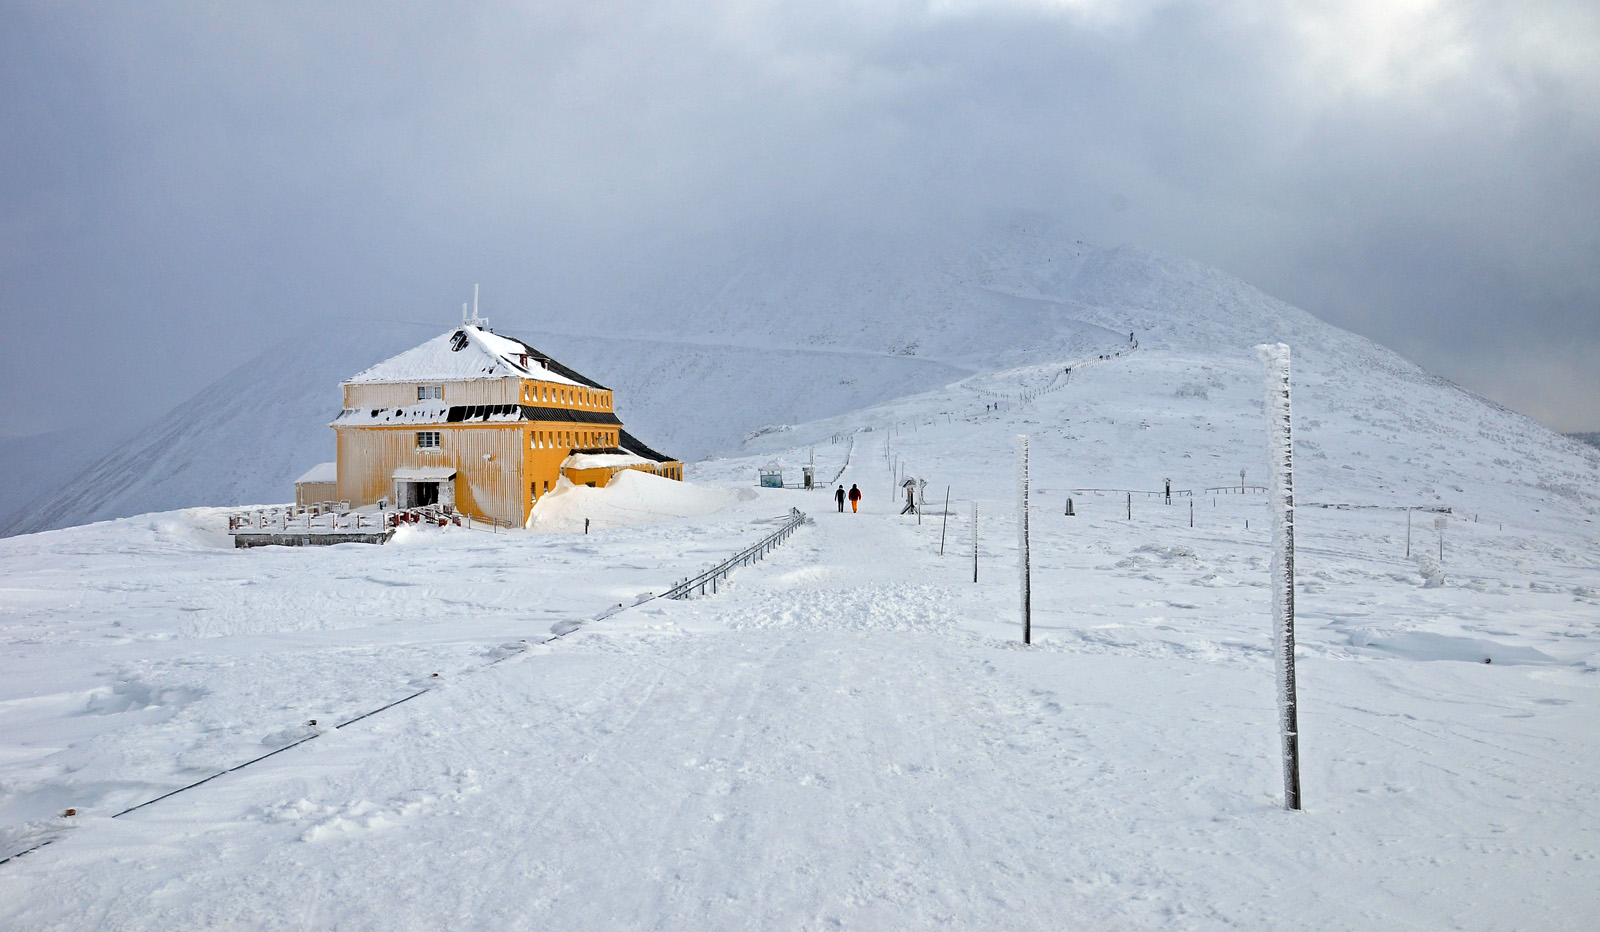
[{"x": 794, "y": 330}]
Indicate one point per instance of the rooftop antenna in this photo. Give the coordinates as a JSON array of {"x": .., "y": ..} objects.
[{"x": 474, "y": 320}]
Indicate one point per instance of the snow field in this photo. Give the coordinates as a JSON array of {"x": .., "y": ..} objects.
[
  {"x": 180, "y": 656},
  {"x": 850, "y": 735}
]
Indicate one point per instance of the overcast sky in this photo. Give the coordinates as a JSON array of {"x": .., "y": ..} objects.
[{"x": 180, "y": 182}]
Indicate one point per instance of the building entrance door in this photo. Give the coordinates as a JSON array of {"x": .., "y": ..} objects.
[{"x": 424, "y": 493}]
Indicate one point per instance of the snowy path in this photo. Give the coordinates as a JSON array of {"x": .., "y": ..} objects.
[{"x": 848, "y": 737}]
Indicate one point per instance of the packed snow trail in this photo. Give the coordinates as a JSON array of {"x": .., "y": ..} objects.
[{"x": 848, "y": 736}]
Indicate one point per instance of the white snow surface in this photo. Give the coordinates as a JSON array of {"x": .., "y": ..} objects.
[
  {"x": 784, "y": 335},
  {"x": 485, "y": 355},
  {"x": 631, "y": 498},
  {"x": 322, "y": 472},
  {"x": 602, "y": 460},
  {"x": 424, "y": 412},
  {"x": 849, "y": 734}
]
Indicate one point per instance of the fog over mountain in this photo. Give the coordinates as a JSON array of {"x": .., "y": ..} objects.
[
  {"x": 184, "y": 187},
  {"x": 787, "y": 331}
]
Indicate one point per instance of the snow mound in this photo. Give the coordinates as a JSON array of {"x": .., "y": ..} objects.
[
  {"x": 1425, "y": 645},
  {"x": 631, "y": 498}
]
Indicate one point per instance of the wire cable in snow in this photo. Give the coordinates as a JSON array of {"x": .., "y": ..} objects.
[{"x": 744, "y": 557}]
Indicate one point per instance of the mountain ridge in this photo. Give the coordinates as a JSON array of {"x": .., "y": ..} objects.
[{"x": 714, "y": 353}]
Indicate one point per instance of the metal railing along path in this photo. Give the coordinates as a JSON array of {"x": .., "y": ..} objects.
[{"x": 708, "y": 580}]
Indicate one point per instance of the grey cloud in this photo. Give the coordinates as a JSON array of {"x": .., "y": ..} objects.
[{"x": 227, "y": 174}]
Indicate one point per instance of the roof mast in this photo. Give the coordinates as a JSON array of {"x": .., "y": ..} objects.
[{"x": 474, "y": 320}]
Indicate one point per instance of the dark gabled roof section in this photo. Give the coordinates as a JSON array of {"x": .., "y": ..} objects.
[
  {"x": 546, "y": 362},
  {"x": 460, "y": 413},
  {"x": 531, "y": 413},
  {"x": 631, "y": 444}
]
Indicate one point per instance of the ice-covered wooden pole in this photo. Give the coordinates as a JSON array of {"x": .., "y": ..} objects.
[
  {"x": 1024, "y": 575},
  {"x": 1281, "y": 448}
]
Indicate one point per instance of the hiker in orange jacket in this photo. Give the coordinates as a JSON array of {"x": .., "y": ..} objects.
[{"x": 855, "y": 498}]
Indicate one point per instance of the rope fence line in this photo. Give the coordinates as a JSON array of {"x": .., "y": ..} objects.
[{"x": 683, "y": 590}]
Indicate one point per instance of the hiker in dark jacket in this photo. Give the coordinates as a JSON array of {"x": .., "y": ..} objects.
[
  {"x": 838, "y": 496},
  {"x": 855, "y": 498}
]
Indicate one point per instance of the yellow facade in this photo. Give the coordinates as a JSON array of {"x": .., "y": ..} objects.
[
  {"x": 502, "y": 442},
  {"x": 601, "y": 475}
]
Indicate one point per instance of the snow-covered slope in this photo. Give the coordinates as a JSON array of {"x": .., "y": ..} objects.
[
  {"x": 242, "y": 440},
  {"x": 34, "y": 465},
  {"x": 792, "y": 331},
  {"x": 849, "y": 735}
]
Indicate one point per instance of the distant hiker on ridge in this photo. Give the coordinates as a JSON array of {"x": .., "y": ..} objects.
[
  {"x": 838, "y": 496},
  {"x": 855, "y": 498}
]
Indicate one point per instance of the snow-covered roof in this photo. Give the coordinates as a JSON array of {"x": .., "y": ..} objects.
[
  {"x": 322, "y": 472},
  {"x": 432, "y": 412},
  {"x": 631, "y": 444},
  {"x": 603, "y": 461},
  {"x": 437, "y": 412},
  {"x": 471, "y": 352},
  {"x": 424, "y": 473}
]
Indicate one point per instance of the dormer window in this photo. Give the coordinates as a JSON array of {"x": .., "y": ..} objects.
[{"x": 430, "y": 392}]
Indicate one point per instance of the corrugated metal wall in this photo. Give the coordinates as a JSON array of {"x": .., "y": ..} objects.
[
  {"x": 310, "y": 493},
  {"x": 492, "y": 488},
  {"x": 402, "y": 394}
]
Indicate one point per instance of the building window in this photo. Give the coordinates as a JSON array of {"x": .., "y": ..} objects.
[
  {"x": 427, "y": 440},
  {"x": 429, "y": 392}
]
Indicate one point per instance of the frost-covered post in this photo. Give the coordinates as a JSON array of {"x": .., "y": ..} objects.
[
  {"x": 974, "y": 541},
  {"x": 945, "y": 522},
  {"x": 1022, "y": 539},
  {"x": 1276, "y": 358}
]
